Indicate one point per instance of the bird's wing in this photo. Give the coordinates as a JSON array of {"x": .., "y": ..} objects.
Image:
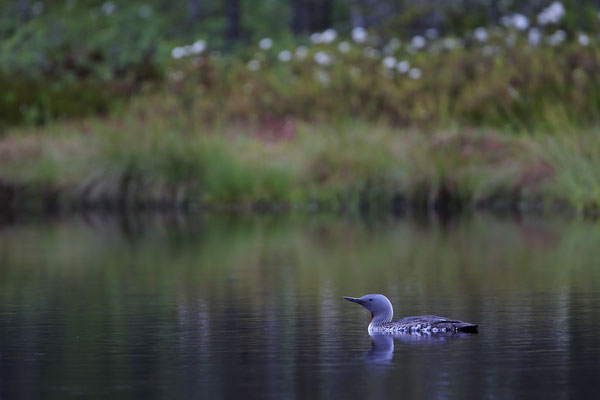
[{"x": 431, "y": 319}]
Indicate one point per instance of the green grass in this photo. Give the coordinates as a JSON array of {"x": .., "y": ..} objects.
[{"x": 149, "y": 157}]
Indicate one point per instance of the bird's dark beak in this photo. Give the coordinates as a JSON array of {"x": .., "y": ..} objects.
[{"x": 354, "y": 300}]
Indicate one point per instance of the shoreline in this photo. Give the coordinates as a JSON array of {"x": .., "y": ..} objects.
[
  {"x": 159, "y": 163},
  {"x": 52, "y": 201}
]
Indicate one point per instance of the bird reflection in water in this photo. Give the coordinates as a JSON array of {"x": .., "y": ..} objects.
[
  {"x": 382, "y": 346},
  {"x": 382, "y": 349}
]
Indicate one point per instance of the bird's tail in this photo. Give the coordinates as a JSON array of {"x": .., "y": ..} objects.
[{"x": 466, "y": 327}]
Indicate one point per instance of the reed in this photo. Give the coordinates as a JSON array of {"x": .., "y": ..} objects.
[{"x": 149, "y": 158}]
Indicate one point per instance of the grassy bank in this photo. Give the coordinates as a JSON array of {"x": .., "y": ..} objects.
[
  {"x": 157, "y": 157},
  {"x": 355, "y": 120},
  {"x": 337, "y": 125}
]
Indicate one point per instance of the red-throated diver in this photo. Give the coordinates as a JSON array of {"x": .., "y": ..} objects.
[{"x": 382, "y": 312}]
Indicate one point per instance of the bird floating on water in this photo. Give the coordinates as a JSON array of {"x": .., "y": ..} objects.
[{"x": 382, "y": 312}]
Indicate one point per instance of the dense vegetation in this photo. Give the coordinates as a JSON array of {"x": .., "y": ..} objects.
[
  {"x": 159, "y": 159},
  {"x": 73, "y": 57},
  {"x": 488, "y": 108}
]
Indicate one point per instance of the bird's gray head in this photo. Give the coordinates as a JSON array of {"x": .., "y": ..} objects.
[{"x": 379, "y": 305}]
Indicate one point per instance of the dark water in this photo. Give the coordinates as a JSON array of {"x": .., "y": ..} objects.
[{"x": 230, "y": 308}]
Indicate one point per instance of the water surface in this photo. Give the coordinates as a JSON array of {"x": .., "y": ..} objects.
[{"x": 218, "y": 307}]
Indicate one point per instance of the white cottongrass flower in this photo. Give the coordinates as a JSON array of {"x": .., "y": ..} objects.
[
  {"x": 253, "y": 65},
  {"x": 323, "y": 77},
  {"x": 265, "y": 44},
  {"x": 285, "y": 56},
  {"x": 301, "y": 52},
  {"x": 551, "y": 14},
  {"x": 516, "y": 21},
  {"x": 178, "y": 52},
  {"x": 534, "y": 37},
  {"x": 187, "y": 50},
  {"x": 344, "y": 47},
  {"x": 450, "y": 43},
  {"x": 108, "y": 8},
  {"x": 480, "y": 34},
  {"x": 323, "y": 58},
  {"x": 315, "y": 38},
  {"x": 403, "y": 66},
  {"x": 418, "y": 42},
  {"x": 328, "y": 35},
  {"x": 359, "y": 34},
  {"x": 198, "y": 46},
  {"x": 414, "y": 73},
  {"x": 431, "y": 33},
  {"x": 583, "y": 39},
  {"x": 520, "y": 22},
  {"x": 389, "y": 62},
  {"x": 557, "y": 38}
]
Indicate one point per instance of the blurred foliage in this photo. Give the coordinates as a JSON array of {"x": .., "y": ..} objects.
[
  {"x": 72, "y": 57},
  {"x": 157, "y": 156},
  {"x": 513, "y": 86}
]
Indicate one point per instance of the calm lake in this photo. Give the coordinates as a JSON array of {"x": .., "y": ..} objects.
[{"x": 251, "y": 307}]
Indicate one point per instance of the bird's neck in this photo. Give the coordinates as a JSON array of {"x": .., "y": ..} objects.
[{"x": 382, "y": 318}]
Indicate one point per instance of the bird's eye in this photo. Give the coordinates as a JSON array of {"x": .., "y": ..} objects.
[{"x": 370, "y": 299}]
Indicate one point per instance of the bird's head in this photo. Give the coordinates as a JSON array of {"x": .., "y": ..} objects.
[{"x": 379, "y": 306}]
